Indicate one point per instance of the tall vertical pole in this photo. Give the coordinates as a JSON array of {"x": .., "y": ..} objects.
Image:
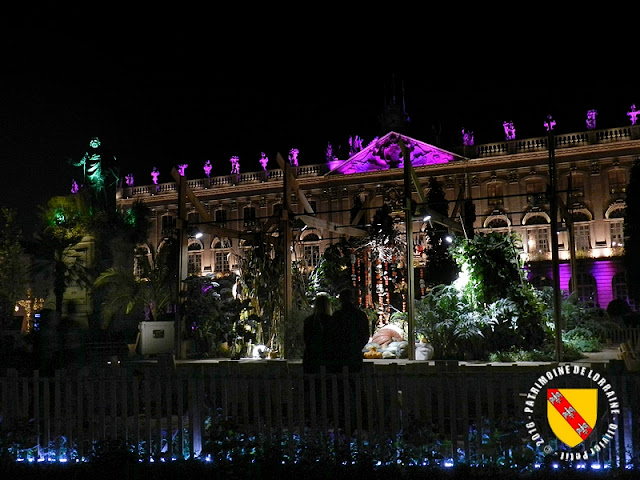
[
  {"x": 181, "y": 275},
  {"x": 287, "y": 240},
  {"x": 553, "y": 207},
  {"x": 408, "y": 221}
]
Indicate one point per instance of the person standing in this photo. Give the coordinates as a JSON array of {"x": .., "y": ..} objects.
[
  {"x": 316, "y": 332},
  {"x": 353, "y": 331}
]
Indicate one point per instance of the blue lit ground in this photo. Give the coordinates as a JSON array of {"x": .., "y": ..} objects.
[{"x": 127, "y": 467}]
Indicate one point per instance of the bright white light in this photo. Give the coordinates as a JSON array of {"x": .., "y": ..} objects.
[
  {"x": 448, "y": 239},
  {"x": 426, "y": 218},
  {"x": 463, "y": 278}
]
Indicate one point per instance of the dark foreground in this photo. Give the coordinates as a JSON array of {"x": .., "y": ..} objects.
[{"x": 113, "y": 470}]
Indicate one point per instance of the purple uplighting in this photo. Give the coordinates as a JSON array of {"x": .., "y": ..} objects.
[
  {"x": 235, "y": 164},
  {"x": 74, "y": 187},
  {"x": 509, "y": 130},
  {"x": 633, "y": 114},
  {"x": 467, "y": 138},
  {"x": 385, "y": 153},
  {"x": 207, "y": 168},
  {"x": 293, "y": 157},
  {"x": 181, "y": 169},
  {"x": 264, "y": 160},
  {"x": 550, "y": 123},
  {"x": 591, "y": 119},
  {"x": 129, "y": 180},
  {"x": 154, "y": 175}
]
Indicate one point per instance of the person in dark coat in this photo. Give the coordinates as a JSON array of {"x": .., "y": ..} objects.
[
  {"x": 353, "y": 333},
  {"x": 316, "y": 332}
]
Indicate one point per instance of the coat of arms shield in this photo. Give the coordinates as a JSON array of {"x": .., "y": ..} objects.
[{"x": 572, "y": 413}]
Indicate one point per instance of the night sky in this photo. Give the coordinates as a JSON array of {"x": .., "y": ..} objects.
[{"x": 156, "y": 110}]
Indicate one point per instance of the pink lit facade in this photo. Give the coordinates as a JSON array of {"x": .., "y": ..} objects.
[{"x": 507, "y": 181}]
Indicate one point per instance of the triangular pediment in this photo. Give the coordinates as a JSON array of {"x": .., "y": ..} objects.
[{"x": 384, "y": 153}]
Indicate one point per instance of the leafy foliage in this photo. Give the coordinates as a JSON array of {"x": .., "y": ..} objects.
[
  {"x": 65, "y": 226},
  {"x": 489, "y": 308},
  {"x": 262, "y": 287},
  {"x": 212, "y": 312},
  {"x": 127, "y": 294}
]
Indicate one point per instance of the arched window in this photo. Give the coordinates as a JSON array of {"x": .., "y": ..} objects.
[
  {"x": 221, "y": 253},
  {"x": 497, "y": 220},
  {"x": 537, "y": 232},
  {"x": 586, "y": 288},
  {"x": 311, "y": 249},
  {"x": 194, "y": 260},
  {"x": 141, "y": 261}
]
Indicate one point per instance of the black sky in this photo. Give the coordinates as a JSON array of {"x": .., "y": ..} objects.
[{"x": 158, "y": 94}]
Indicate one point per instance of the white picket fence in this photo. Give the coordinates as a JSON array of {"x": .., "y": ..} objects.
[{"x": 174, "y": 413}]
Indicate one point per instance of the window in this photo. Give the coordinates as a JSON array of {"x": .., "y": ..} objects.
[
  {"x": 311, "y": 250},
  {"x": 141, "y": 262},
  {"x": 575, "y": 187},
  {"x": 249, "y": 216},
  {"x": 586, "y": 286},
  {"x": 221, "y": 218},
  {"x": 617, "y": 181},
  {"x": 619, "y": 288},
  {"x": 616, "y": 231},
  {"x": 536, "y": 192},
  {"x": 168, "y": 224},
  {"x": 582, "y": 235},
  {"x": 222, "y": 262},
  {"x": 194, "y": 260},
  {"x": 193, "y": 218},
  {"x": 311, "y": 255},
  {"x": 495, "y": 193},
  {"x": 538, "y": 240},
  {"x": 221, "y": 252}
]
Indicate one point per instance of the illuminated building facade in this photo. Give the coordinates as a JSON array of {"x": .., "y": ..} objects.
[{"x": 507, "y": 182}]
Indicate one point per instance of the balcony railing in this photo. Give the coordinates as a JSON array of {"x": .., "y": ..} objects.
[{"x": 569, "y": 140}]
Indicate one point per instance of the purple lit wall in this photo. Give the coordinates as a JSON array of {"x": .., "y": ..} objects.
[{"x": 601, "y": 270}]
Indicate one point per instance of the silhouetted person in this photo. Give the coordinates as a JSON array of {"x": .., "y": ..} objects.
[
  {"x": 316, "y": 332},
  {"x": 352, "y": 331}
]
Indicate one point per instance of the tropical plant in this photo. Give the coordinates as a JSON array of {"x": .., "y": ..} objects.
[
  {"x": 448, "y": 321},
  {"x": 492, "y": 273},
  {"x": 441, "y": 268},
  {"x": 149, "y": 292},
  {"x": 211, "y": 312},
  {"x": 333, "y": 272},
  {"x": 261, "y": 285},
  {"x": 64, "y": 221},
  {"x": 488, "y": 308}
]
